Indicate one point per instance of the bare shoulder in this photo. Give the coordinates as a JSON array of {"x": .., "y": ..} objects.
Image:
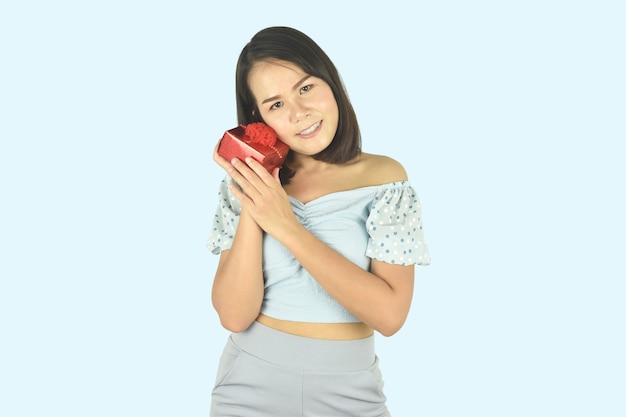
[{"x": 381, "y": 169}]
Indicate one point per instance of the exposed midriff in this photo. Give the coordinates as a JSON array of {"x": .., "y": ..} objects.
[{"x": 328, "y": 331}]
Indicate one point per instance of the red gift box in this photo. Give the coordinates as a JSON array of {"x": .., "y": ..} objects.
[{"x": 256, "y": 140}]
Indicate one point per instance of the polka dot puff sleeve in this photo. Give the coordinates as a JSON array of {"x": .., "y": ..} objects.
[
  {"x": 394, "y": 226},
  {"x": 225, "y": 220}
]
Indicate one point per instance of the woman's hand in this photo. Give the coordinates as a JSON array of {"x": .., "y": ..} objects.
[{"x": 261, "y": 195}]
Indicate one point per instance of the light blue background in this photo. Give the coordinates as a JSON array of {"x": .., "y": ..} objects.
[{"x": 509, "y": 117}]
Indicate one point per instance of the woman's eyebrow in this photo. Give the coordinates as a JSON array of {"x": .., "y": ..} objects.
[{"x": 295, "y": 86}]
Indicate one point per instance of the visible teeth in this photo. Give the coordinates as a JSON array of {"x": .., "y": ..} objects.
[{"x": 311, "y": 129}]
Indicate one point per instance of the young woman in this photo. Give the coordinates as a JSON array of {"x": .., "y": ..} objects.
[{"x": 314, "y": 256}]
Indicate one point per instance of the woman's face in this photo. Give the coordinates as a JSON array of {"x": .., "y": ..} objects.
[{"x": 299, "y": 107}]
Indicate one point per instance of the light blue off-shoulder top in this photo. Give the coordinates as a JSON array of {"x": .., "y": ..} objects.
[{"x": 381, "y": 222}]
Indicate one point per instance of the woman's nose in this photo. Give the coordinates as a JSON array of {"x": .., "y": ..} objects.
[{"x": 299, "y": 112}]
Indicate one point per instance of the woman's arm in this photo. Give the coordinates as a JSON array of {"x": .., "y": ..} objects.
[
  {"x": 238, "y": 285},
  {"x": 380, "y": 298}
]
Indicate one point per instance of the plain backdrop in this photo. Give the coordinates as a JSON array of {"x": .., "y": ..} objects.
[{"x": 508, "y": 116}]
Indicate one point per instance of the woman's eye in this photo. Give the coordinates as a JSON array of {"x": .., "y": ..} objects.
[
  {"x": 306, "y": 88},
  {"x": 276, "y": 105}
]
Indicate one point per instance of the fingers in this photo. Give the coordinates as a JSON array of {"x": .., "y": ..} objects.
[
  {"x": 260, "y": 170},
  {"x": 275, "y": 175},
  {"x": 251, "y": 177},
  {"x": 254, "y": 172},
  {"x": 250, "y": 164}
]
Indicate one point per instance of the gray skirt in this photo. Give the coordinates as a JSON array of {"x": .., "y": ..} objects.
[{"x": 265, "y": 372}]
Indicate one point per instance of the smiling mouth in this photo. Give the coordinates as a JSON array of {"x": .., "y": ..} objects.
[{"x": 311, "y": 128}]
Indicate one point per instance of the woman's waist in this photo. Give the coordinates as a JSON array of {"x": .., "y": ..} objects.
[
  {"x": 326, "y": 331},
  {"x": 305, "y": 353}
]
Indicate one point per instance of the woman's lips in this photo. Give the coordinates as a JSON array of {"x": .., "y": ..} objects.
[{"x": 311, "y": 130}]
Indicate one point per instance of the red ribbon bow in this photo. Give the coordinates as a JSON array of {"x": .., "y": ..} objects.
[{"x": 260, "y": 133}]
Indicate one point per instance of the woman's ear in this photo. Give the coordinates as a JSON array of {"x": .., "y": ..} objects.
[{"x": 256, "y": 116}]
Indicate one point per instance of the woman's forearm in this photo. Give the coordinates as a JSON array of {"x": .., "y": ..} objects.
[
  {"x": 380, "y": 298},
  {"x": 238, "y": 285}
]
